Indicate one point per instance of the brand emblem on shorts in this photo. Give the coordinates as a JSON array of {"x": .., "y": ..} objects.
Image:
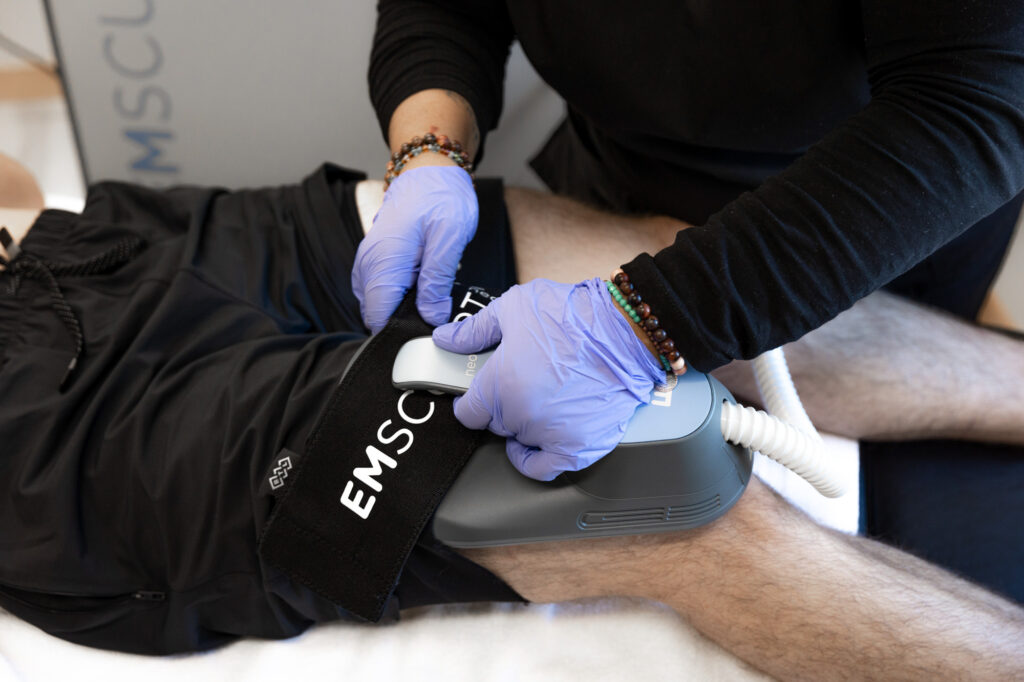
[{"x": 284, "y": 465}]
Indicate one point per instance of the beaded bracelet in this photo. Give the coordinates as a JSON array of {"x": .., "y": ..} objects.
[
  {"x": 439, "y": 144},
  {"x": 625, "y": 294}
]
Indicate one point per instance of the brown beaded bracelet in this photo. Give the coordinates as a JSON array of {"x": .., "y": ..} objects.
[
  {"x": 439, "y": 144},
  {"x": 634, "y": 303}
]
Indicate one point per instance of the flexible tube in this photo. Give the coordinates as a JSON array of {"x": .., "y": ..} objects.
[
  {"x": 778, "y": 392},
  {"x": 787, "y": 435}
]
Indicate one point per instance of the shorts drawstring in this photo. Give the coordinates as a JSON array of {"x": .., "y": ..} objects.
[{"x": 28, "y": 266}]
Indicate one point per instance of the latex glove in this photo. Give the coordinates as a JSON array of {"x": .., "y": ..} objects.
[
  {"x": 428, "y": 216},
  {"x": 565, "y": 379}
]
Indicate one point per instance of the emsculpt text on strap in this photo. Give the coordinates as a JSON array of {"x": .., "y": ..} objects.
[{"x": 376, "y": 466}]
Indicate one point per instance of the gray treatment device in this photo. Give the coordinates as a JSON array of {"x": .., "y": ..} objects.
[{"x": 673, "y": 469}]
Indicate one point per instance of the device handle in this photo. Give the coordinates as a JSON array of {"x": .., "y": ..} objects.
[{"x": 420, "y": 364}]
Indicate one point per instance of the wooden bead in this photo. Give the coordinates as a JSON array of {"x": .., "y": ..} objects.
[
  {"x": 667, "y": 346},
  {"x": 644, "y": 311},
  {"x": 651, "y": 323},
  {"x": 429, "y": 138},
  {"x": 635, "y": 299},
  {"x": 626, "y": 288},
  {"x": 456, "y": 147},
  {"x": 416, "y": 141},
  {"x": 406, "y": 148},
  {"x": 443, "y": 140},
  {"x": 673, "y": 356},
  {"x": 621, "y": 278},
  {"x": 659, "y": 335}
]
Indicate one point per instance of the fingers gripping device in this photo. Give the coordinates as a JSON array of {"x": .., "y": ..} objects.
[{"x": 685, "y": 459}]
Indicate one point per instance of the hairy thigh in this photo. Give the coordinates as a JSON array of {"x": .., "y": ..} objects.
[
  {"x": 656, "y": 565},
  {"x": 564, "y": 240}
]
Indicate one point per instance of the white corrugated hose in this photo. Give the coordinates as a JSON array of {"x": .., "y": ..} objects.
[{"x": 787, "y": 434}]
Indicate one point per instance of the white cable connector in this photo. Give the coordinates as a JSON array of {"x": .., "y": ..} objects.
[{"x": 787, "y": 435}]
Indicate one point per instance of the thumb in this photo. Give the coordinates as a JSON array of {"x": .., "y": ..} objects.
[
  {"x": 473, "y": 334},
  {"x": 476, "y": 408}
]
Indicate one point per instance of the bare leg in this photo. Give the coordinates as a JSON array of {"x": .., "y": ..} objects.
[
  {"x": 887, "y": 368},
  {"x": 789, "y": 597},
  {"x": 766, "y": 583},
  {"x": 20, "y": 198},
  {"x": 564, "y": 240},
  {"x": 18, "y": 189},
  {"x": 892, "y": 369}
]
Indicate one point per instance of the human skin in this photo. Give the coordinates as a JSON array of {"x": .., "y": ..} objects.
[
  {"x": 969, "y": 382},
  {"x": 793, "y": 599},
  {"x": 887, "y": 368},
  {"x": 441, "y": 112}
]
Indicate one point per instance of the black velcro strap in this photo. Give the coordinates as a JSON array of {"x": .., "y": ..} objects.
[{"x": 376, "y": 466}]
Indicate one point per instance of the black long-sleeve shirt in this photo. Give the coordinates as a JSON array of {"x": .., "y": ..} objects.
[{"x": 824, "y": 147}]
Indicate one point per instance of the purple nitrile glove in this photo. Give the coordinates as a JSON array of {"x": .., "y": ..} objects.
[
  {"x": 565, "y": 379},
  {"x": 428, "y": 216}
]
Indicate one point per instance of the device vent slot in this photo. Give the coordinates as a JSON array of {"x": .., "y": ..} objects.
[
  {"x": 650, "y": 516},
  {"x": 686, "y": 511},
  {"x": 629, "y": 517}
]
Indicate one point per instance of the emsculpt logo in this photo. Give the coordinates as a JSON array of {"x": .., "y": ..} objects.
[
  {"x": 144, "y": 108},
  {"x": 353, "y": 496}
]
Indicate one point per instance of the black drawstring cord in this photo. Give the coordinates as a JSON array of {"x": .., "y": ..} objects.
[{"x": 27, "y": 265}]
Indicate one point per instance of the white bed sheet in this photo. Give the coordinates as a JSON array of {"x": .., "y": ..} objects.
[{"x": 593, "y": 640}]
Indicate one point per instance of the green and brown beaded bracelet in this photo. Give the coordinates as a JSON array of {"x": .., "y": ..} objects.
[
  {"x": 625, "y": 294},
  {"x": 439, "y": 144}
]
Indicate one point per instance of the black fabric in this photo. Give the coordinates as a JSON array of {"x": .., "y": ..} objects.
[
  {"x": 131, "y": 505},
  {"x": 352, "y": 554},
  {"x": 27, "y": 265},
  {"x": 823, "y": 147},
  {"x": 957, "y": 277},
  {"x": 953, "y": 503},
  {"x": 464, "y": 51}
]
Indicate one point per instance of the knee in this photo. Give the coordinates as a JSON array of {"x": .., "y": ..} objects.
[{"x": 18, "y": 189}]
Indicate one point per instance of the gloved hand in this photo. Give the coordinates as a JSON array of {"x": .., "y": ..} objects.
[
  {"x": 428, "y": 216},
  {"x": 565, "y": 379}
]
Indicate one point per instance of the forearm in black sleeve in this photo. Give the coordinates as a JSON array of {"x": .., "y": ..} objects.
[
  {"x": 458, "y": 45},
  {"x": 940, "y": 146}
]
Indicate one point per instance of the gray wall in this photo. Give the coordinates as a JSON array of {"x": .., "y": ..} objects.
[
  {"x": 256, "y": 92},
  {"x": 245, "y": 93}
]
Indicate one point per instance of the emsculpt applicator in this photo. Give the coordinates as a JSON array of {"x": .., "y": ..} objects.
[{"x": 684, "y": 461}]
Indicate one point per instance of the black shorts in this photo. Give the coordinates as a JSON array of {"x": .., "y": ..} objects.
[
  {"x": 954, "y": 503},
  {"x": 132, "y": 501}
]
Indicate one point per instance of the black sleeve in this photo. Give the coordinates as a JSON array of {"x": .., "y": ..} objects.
[
  {"x": 939, "y": 146},
  {"x": 458, "y": 45}
]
